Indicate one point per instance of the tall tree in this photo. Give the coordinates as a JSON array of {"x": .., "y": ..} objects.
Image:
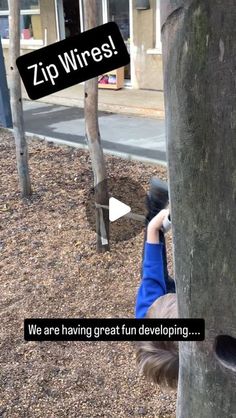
[
  {"x": 16, "y": 101},
  {"x": 94, "y": 142},
  {"x": 199, "y": 52}
]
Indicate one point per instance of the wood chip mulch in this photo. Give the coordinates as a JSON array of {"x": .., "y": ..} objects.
[{"x": 49, "y": 268}]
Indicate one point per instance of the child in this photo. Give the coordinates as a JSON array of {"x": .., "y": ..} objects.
[{"x": 157, "y": 360}]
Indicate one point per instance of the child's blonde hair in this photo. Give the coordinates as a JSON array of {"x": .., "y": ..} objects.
[{"x": 159, "y": 360}]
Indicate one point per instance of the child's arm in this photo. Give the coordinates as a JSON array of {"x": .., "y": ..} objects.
[
  {"x": 154, "y": 227},
  {"x": 153, "y": 281}
]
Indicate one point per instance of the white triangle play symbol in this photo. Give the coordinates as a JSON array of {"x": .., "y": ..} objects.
[{"x": 117, "y": 209}]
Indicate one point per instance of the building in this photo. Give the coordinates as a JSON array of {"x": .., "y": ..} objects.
[{"x": 47, "y": 21}]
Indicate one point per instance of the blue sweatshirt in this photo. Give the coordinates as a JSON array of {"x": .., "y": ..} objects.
[{"x": 153, "y": 282}]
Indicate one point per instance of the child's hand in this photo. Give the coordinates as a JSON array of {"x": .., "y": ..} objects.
[
  {"x": 157, "y": 221},
  {"x": 155, "y": 225}
]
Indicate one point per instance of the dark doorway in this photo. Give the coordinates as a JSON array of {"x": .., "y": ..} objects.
[
  {"x": 118, "y": 11},
  {"x": 71, "y": 17}
]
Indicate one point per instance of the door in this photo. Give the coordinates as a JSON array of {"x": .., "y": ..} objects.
[
  {"x": 118, "y": 11},
  {"x": 71, "y": 17}
]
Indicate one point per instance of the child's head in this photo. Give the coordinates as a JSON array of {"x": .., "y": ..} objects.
[{"x": 159, "y": 360}]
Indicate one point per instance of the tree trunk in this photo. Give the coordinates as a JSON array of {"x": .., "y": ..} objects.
[
  {"x": 16, "y": 101},
  {"x": 94, "y": 142},
  {"x": 199, "y": 53}
]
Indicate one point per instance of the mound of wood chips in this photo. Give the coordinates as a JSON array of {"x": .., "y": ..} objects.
[{"x": 49, "y": 268}]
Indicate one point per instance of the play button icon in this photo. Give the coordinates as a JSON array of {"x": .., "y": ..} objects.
[
  {"x": 117, "y": 209},
  {"x": 125, "y": 208}
]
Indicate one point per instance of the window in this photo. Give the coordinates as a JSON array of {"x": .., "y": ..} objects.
[
  {"x": 30, "y": 22},
  {"x": 158, "y": 45},
  {"x": 157, "y": 49},
  {"x": 3, "y": 5},
  {"x": 118, "y": 11},
  {"x": 108, "y": 11},
  {"x": 100, "y": 12},
  {"x": 4, "y": 33}
]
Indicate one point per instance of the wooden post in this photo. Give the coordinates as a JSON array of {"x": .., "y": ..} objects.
[
  {"x": 94, "y": 142},
  {"x": 199, "y": 53},
  {"x": 16, "y": 101}
]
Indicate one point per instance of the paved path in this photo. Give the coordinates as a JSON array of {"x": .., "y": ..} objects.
[
  {"x": 127, "y": 101},
  {"x": 128, "y": 136}
]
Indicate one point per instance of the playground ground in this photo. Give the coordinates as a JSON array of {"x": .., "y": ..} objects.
[{"x": 49, "y": 268}]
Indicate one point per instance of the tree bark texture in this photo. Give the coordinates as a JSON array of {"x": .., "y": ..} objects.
[
  {"x": 94, "y": 142},
  {"x": 16, "y": 101},
  {"x": 199, "y": 54}
]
